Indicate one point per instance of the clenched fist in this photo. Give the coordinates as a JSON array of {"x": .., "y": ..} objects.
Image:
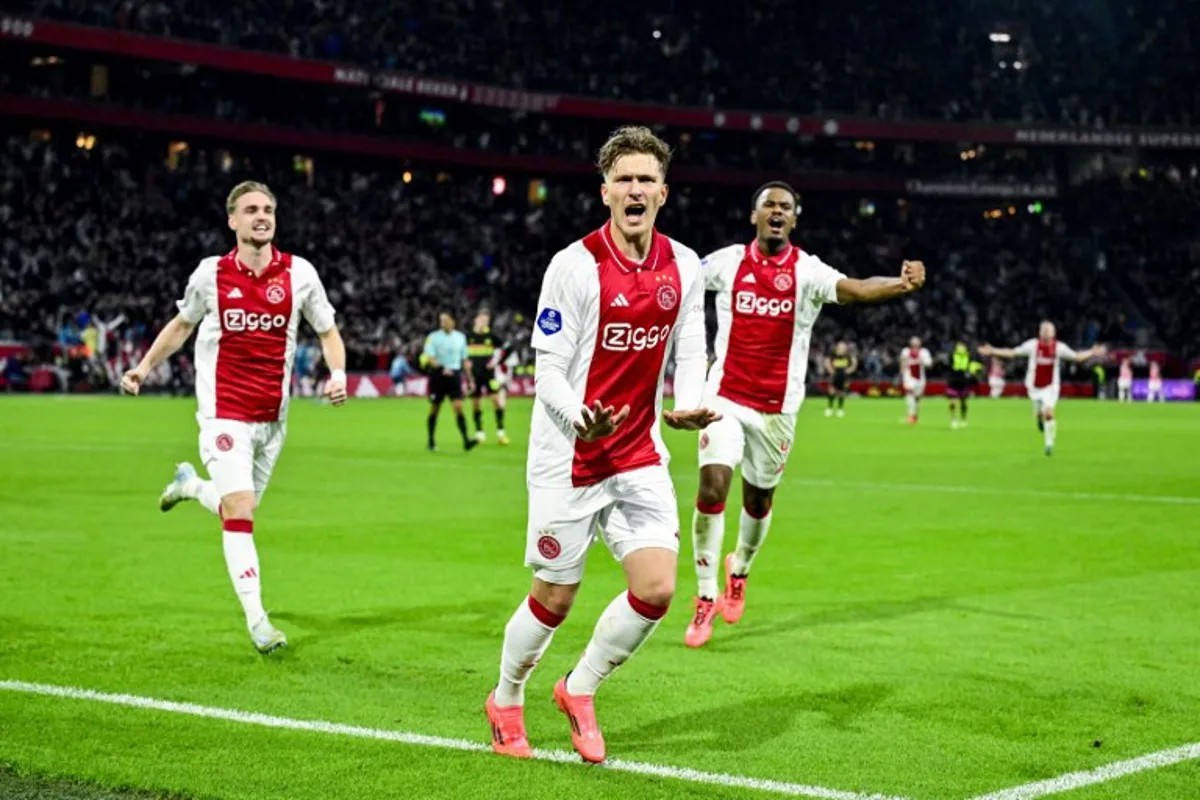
[{"x": 912, "y": 275}]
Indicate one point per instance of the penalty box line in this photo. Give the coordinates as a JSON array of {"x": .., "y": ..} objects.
[
  {"x": 421, "y": 740},
  {"x": 1071, "y": 781}
]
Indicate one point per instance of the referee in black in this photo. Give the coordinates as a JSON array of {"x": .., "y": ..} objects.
[{"x": 445, "y": 359}]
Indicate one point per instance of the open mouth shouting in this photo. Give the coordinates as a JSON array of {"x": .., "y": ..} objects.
[
  {"x": 635, "y": 213},
  {"x": 261, "y": 229},
  {"x": 776, "y": 223}
]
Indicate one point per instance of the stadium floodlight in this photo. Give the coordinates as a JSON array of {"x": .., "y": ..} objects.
[{"x": 999, "y": 37}]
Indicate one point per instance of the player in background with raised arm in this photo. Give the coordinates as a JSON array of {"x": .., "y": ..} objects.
[
  {"x": 612, "y": 304},
  {"x": 1042, "y": 378},
  {"x": 769, "y": 294},
  {"x": 914, "y": 360},
  {"x": 247, "y": 304}
]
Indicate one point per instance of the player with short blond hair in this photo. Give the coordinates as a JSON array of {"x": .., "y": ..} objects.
[
  {"x": 247, "y": 305},
  {"x": 914, "y": 360},
  {"x": 1042, "y": 378},
  {"x": 612, "y": 306}
]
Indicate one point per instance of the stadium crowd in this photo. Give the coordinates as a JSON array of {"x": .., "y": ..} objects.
[
  {"x": 1129, "y": 61},
  {"x": 108, "y": 229}
]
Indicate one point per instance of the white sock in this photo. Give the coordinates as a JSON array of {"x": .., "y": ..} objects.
[
  {"x": 204, "y": 492},
  {"x": 1048, "y": 432},
  {"x": 526, "y": 637},
  {"x": 624, "y": 625},
  {"x": 241, "y": 558},
  {"x": 708, "y": 533},
  {"x": 911, "y": 403},
  {"x": 751, "y": 534}
]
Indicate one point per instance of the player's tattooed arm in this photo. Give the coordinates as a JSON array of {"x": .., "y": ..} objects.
[{"x": 878, "y": 289}]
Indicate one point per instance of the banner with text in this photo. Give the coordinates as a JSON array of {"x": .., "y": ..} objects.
[{"x": 104, "y": 40}]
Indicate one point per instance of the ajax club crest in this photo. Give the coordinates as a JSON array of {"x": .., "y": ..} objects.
[
  {"x": 667, "y": 297},
  {"x": 275, "y": 294}
]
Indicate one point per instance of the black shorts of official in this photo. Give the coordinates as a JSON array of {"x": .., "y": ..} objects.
[
  {"x": 958, "y": 385},
  {"x": 484, "y": 380},
  {"x": 445, "y": 387},
  {"x": 839, "y": 382}
]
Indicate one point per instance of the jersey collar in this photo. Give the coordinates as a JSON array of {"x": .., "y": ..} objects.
[
  {"x": 654, "y": 259},
  {"x": 781, "y": 259}
]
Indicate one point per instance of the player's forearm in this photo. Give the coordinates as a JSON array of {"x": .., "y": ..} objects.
[
  {"x": 1002, "y": 352},
  {"x": 334, "y": 350},
  {"x": 870, "y": 290},
  {"x": 554, "y": 391},
  {"x": 690, "y": 372},
  {"x": 172, "y": 337}
]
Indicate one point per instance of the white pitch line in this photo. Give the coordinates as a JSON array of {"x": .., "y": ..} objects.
[
  {"x": 421, "y": 740},
  {"x": 1077, "y": 780}
]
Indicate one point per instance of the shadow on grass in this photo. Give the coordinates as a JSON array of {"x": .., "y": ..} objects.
[{"x": 17, "y": 784}]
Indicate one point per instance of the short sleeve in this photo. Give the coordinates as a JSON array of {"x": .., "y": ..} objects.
[
  {"x": 1065, "y": 351},
  {"x": 1026, "y": 348},
  {"x": 194, "y": 304},
  {"x": 823, "y": 278},
  {"x": 317, "y": 309},
  {"x": 560, "y": 308}
]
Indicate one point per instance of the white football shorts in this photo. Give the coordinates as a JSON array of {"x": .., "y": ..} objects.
[
  {"x": 630, "y": 511},
  {"x": 1044, "y": 399},
  {"x": 240, "y": 456},
  {"x": 760, "y": 443},
  {"x": 914, "y": 386}
]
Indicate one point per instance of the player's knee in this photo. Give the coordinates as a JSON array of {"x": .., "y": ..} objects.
[
  {"x": 757, "y": 502},
  {"x": 557, "y": 598},
  {"x": 239, "y": 505},
  {"x": 714, "y": 487},
  {"x": 655, "y": 590}
]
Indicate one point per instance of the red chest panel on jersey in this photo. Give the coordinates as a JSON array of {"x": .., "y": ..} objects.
[
  {"x": 914, "y": 363},
  {"x": 255, "y": 313},
  {"x": 1044, "y": 359},
  {"x": 761, "y": 333},
  {"x": 639, "y": 306}
]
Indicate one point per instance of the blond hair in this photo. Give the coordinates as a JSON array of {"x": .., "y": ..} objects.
[
  {"x": 244, "y": 188},
  {"x": 633, "y": 140}
]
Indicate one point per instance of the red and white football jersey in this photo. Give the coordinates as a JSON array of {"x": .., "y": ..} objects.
[
  {"x": 914, "y": 361},
  {"x": 614, "y": 319},
  {"x": 247, "y": 336},
  {"x": 766, "y": 308},
  {"x": 1044, "y": 358}
]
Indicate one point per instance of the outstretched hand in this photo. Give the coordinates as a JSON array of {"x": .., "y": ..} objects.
[
  {"x": 599, "y": 421},
  {"x": 986, "y": 350},
  {"x": 694, "y": 420},
  {"x": 912, "y": 275}
]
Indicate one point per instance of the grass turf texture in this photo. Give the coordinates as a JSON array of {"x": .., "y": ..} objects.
[{"x": 917, "y": 641}]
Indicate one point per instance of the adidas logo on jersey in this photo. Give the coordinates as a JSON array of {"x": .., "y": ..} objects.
[
  {"x": 619, "y": 302},
  {"x": 749, "y": 278},
  {"x": 234, "y": 294}
]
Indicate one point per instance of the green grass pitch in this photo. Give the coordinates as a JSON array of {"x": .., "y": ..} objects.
[{"x": 936, "y": 614}]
